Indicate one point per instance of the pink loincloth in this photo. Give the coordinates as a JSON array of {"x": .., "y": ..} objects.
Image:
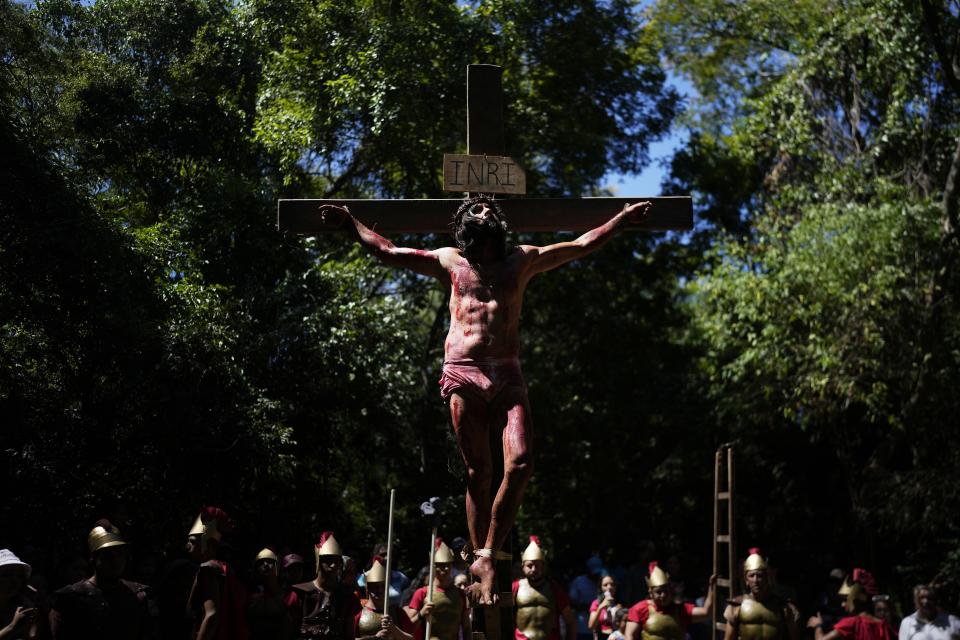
[{"x": 482, "y": 378}]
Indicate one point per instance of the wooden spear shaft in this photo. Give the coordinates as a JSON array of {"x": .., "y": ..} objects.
[
  {"x": 433, "y": 552},
  {"x": 386, "y": 588}
]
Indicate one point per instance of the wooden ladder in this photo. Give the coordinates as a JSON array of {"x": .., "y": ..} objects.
[{"x": 727, "y": 576}]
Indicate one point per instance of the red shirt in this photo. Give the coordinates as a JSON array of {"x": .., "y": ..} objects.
[
  {"x": 682, "y": 613},
  {"x": 561, "y": 601},
  {"x": 864, "y": 628},
  {"x": 605, "y": 619}
]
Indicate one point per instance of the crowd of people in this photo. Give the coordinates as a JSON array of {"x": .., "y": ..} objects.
[{"x": 207, "y": 600}]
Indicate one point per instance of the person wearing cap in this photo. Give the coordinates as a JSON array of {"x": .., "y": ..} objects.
[
  {"x": 860, "y": 623},
  {"x": 446, "y": 607},
  {"x": 928, "y": 622},
  {"x": 267, "y": 616},
  {"x": 659, "y": 617},
  {"x": 540, "y": 602},
  {"x": 292, "y": 568},
  {"x": 371, "y": 622},
  {"x": 326, "y": 609},
  {"x": 217, "y": 599},
  {"x": 349, "y": 576},
  {"x": 291, "y": 573},
  {"x": 760, "y": 614},
  {"x": 19, "y": 613},
  {"x": 104, "y": 605}
]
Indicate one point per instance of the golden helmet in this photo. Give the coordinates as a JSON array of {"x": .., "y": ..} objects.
[
  {"x": 210, "y": 525},
  {"x": 754, "y": 561},
  {"x": 328, "y": 546},
  {"x": 442, "y": 552},
  {"x": 658, "y": 577},
  {"x": 103, "y": 536},
  {"x": 533, "y": 551},
  {"x": 859, "y": 587},
  {"x": 377, "y": 573},
  {"x": 267, "y": 554},
  {"x": 845, "y": 588}
]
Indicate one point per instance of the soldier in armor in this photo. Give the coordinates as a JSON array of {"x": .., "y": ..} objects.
[
  {"x": 447, "y": 611},
  {"x": 217, "y": 598},
  {"x": 660, "y": 618},
  {"x": 540, "y": 602},
  {"x": 370, "y": 622},
  {"x": 104, "y": 605},
  {"x": 326, "y": 608},
  {"x": 760, "y": 614},
  {"x": 860, "y": 624},
  {"x": 267, "y": 615}
]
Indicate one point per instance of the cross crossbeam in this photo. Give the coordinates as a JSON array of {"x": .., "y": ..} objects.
[{"x": 523, "y": 215}]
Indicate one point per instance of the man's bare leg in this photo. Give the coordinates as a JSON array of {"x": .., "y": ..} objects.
[
  {"x": 472, "y": 428},
  {"x": 514, "y": 413}
]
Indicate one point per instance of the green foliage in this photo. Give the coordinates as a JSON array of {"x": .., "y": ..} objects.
[
  {"x": 346, "y": 88},
  {"x": 161, "y": 345},
  {"x": 828, "y": 313}
]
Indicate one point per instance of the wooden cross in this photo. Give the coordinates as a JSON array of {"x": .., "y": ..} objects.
[
  {"x": 485, "y": 137},
  {"x": 485, "y": 141}
]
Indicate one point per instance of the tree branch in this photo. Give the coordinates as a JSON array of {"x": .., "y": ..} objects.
[
  {"x": 931, "y": 25},
  {"x": 950, "y": 202}
]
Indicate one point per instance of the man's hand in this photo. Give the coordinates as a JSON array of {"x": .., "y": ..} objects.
[
  {"x": 23, "y": 616},
  {"x": 426, "y": 611},
  {"x": 638, "y": 211},
  {"x": 334, "y": 214},
  {"x": 386, "y": 627}
]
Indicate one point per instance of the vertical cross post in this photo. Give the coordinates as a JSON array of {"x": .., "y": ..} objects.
[
  {"x": 485, "y": 110},
  {"x": 485, "y": 137}
]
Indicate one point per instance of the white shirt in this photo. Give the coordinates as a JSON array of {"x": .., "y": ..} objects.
[{"x": 943, "y": 627}]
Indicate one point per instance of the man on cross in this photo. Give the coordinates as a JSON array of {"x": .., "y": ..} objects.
[{"x": 481, "y": 378}]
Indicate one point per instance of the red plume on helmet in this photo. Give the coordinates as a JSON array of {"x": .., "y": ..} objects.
[
  {"x": 866, "y": 580},
  {"x": 753, "y": 551},
  {"x": 533, "y": 551},
  {"x": 326, "y": 535},
  {"x": 653, "y": 565},
  {"x": 437, "y": 544},
  {"x": 327, "y": 546},
  {"x": 218, "y": 515}
]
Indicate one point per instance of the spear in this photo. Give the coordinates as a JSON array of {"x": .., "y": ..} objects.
[
  {"x": 386, "y": 588},
  {"x": 429, "y": 510}
]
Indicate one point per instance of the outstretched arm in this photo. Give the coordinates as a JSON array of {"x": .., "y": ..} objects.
[
  {"x": 554, "y": 255},
  {"x": 701, "y": 614},
  {"x": 423, "y": 262}
]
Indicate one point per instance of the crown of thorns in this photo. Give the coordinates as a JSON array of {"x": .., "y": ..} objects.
[{"x": 469, "y": 204}]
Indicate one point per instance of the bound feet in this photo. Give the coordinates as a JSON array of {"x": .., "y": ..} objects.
[{"x": 484, "y": 592}]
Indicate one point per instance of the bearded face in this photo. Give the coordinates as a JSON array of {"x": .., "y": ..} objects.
[{"x": 479, "y": 224}]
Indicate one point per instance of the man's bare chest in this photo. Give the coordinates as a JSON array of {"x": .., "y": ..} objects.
[{"x": 497, "y": 282}]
